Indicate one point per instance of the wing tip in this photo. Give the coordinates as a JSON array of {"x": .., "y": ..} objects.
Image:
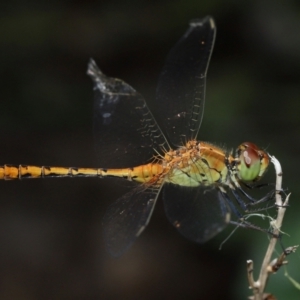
[
  {"x": 201, "y": 22},
  {"x": 92, "y": 69}
]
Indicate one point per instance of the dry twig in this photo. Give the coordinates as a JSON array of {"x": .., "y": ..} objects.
[{"x": 269, "y": 267}]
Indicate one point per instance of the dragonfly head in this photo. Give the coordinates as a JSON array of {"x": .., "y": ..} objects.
[{"x": 252, "y": 162}]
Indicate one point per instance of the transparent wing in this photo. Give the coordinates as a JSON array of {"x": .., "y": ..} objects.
[
  {"x": 198, "y": 213},
  {"x": 125, "y": 131},
  {"x": 181, "y": 86},
  {"x": 126, "y": 218}
]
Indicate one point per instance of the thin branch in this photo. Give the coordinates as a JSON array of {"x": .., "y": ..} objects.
[
  {"x": 269, "y": 267},
  {"x": 277, "y": 263}
]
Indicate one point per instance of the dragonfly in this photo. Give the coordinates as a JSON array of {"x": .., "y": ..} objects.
[{"x": 202, "y": 185}]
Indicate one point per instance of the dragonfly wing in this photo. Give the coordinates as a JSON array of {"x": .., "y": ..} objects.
[
  {"x": 181, "y": 86},
  {"x": 198, "y": 213},
  {"x": 127, "y": 218},
  {"x": 125, "y": 130}
]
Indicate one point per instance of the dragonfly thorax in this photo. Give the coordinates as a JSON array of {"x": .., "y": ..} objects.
[{"x": 197, "y": 163}]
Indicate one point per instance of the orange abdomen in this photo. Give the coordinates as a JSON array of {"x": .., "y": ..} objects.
[{"x": 143, "y": 173}]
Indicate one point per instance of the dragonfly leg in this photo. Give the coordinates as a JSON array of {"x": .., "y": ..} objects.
[
  {"x": 239, "y": 200},
  {"x": 259, "y": 186},
  {"x": 241, "y": 219},
  {"x": 245, "y": 206},
  {"x": 248, "y": 225},
  {"x": 232, "y": 206},
  {"x": 253, "y": 201}
]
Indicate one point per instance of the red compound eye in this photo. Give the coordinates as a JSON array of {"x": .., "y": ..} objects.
[{"x": 253, "y": 162}]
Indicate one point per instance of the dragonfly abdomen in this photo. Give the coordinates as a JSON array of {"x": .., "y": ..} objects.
[
  {"x": 8, "y": 172},
  {"x": 143, "y": 173}
]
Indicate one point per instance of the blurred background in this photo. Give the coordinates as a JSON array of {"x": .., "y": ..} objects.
[{"x": 51, "y": 244}]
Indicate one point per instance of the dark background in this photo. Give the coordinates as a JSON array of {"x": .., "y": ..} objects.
[{"x": 51, "y": 244}]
